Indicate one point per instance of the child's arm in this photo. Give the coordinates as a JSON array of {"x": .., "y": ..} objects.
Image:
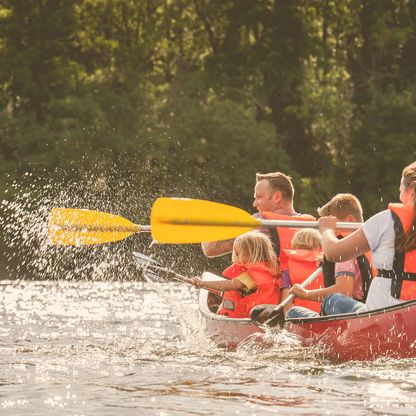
[
  {"x": 222, "y": 286},
  {"x": 343, "y": 284}
]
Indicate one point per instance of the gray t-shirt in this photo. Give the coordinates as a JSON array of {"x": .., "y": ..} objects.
[{"x": 379, "y": 231}]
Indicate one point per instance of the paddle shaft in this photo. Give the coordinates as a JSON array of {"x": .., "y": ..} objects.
[
  {"x": 305, "y": 283},
  {"x": 308, "y": 224},
  {"x": 107, "y": 228},
  {"x": 277, "y": 311},
  {"x": 177, "y": 276},
  {"x": 180, "y": 277},
  {"x": 263, "y": 223}
]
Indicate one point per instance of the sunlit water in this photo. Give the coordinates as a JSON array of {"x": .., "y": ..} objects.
[
  {"x": 111, "y": 348},
  {"x": 81, "y": 342}
]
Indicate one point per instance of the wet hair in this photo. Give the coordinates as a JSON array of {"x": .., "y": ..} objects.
[
  {"x": 256, "y": 247},
  {"x": 407, "y": 241},
  {"x": 306, "y": 239},
  {"x": 342, "y": 205},
  {"x": 278, "y": 182}
]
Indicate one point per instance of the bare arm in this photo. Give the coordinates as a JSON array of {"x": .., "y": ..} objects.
[
  {"x": 335, "y": 250},
  {"x": 343, "y": 284},
  {"x": 217, "y": 248},
  {"x": 222, "y": 286}
]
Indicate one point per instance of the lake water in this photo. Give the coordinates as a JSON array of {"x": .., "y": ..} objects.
[{"x": 133, "y": 348}]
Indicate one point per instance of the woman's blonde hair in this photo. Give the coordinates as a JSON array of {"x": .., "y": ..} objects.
[
  {"x": 256, "y": 247},
  {"x": 306, "y": 239},
  {"x": 407, "y": 241}
]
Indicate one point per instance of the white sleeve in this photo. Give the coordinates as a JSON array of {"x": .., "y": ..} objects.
[{"x": 379, "y": 228}]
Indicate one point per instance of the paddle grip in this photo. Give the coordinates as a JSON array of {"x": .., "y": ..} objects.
[
  {"x": 277, "y": 311},
  {"x": 307, "y": 224}
]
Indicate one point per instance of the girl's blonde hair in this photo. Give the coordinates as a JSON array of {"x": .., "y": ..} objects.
[
  {"x": 306, "y": 239},
  {"x": 407, "y": 241},
  {"x": 256, "y": 247}
]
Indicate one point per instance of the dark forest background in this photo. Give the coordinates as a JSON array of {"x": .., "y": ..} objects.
[{"x": 193, "y": 97}]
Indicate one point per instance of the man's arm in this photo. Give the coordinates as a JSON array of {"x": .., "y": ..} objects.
[{"x": 217, "y": 248}]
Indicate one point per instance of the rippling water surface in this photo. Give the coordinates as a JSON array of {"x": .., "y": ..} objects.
[{"x": 108, "y": 348}]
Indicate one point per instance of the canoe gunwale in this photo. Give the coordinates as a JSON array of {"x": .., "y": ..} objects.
[
  {"x": 351, "y": 316},
  {"x": 384, "y": 332},
  {"x": 296, "y": 321}
]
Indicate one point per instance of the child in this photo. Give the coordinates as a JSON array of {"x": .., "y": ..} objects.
[
  {"x": 351, "y": 278},
  {"x": 307, "y": 239},
  {"x": 304, "y": 258},
  {"x": 253, "y": 276}
]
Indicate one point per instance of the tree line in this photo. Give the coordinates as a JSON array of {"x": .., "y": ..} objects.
[{"x": 197, "y": 96}]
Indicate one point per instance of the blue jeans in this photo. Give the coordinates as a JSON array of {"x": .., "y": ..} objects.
[
  {"x": 334, "y": 304},
  {"x": 300, "y": 312},
  {"x": 337, "y": 304}
]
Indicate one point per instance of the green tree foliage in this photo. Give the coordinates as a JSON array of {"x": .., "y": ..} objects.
[
  {"x": 37, "y": 60},
  {"x": 209, "y": 92}
]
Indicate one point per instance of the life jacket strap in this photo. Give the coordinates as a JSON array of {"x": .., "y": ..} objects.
[
  {"x": 245, "y": 293},
  {"x": 365, "y": 270},
  {"x": 396, "y": 280},
  {"x": 398, "y": 274}
]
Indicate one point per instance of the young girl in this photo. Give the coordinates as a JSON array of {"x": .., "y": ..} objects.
[
  {"x": 304, "y": 258},
  {"x": 253, "y": 276}
]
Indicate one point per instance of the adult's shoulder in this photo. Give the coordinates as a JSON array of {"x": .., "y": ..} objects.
[
  {"x": 379, "y": 228},
  {"x": 381, "y": 217}
]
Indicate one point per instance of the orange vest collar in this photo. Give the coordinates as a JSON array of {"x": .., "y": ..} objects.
[
  {"x": 305, "y": 255},
  {"x": 404, "y": 213}
]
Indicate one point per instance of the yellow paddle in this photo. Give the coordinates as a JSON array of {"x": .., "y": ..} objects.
[
  {"x": 179, "y": 220},
  {"x": 173, "y": 220},
  {"x": 70, "y": 226}
]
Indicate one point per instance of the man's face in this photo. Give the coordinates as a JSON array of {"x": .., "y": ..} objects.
[{"x": 264, "y": 196}]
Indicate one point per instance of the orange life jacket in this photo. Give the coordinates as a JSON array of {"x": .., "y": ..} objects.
[
  {"x": 302, "y": 263},
  {"x": 238, "y": 304},
  {"x": 403, "y": 275},
  {"x": 282, "y": 236}
]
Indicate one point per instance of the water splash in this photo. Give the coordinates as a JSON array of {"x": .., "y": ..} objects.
[{"x": 28, "y": 252}]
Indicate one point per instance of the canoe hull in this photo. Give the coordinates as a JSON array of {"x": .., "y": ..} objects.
[
  {"x": 389, "y": 332},
  {"x": 223, "y": 331}
]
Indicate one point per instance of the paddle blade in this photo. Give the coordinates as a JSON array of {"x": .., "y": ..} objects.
[
  {"x": 75, "y": 227},
  {"x": 143, "y": 260},
  {"x": 181, "y": 221}
]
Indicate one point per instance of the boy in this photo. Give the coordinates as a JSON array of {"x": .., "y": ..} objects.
[{"x": 350, "y": 278}]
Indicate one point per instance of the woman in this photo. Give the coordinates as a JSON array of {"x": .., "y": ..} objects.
[{"x": 391, "y": 236}]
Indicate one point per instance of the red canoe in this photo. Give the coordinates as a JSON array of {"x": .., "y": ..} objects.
[{"x": 389, "y": 332}]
